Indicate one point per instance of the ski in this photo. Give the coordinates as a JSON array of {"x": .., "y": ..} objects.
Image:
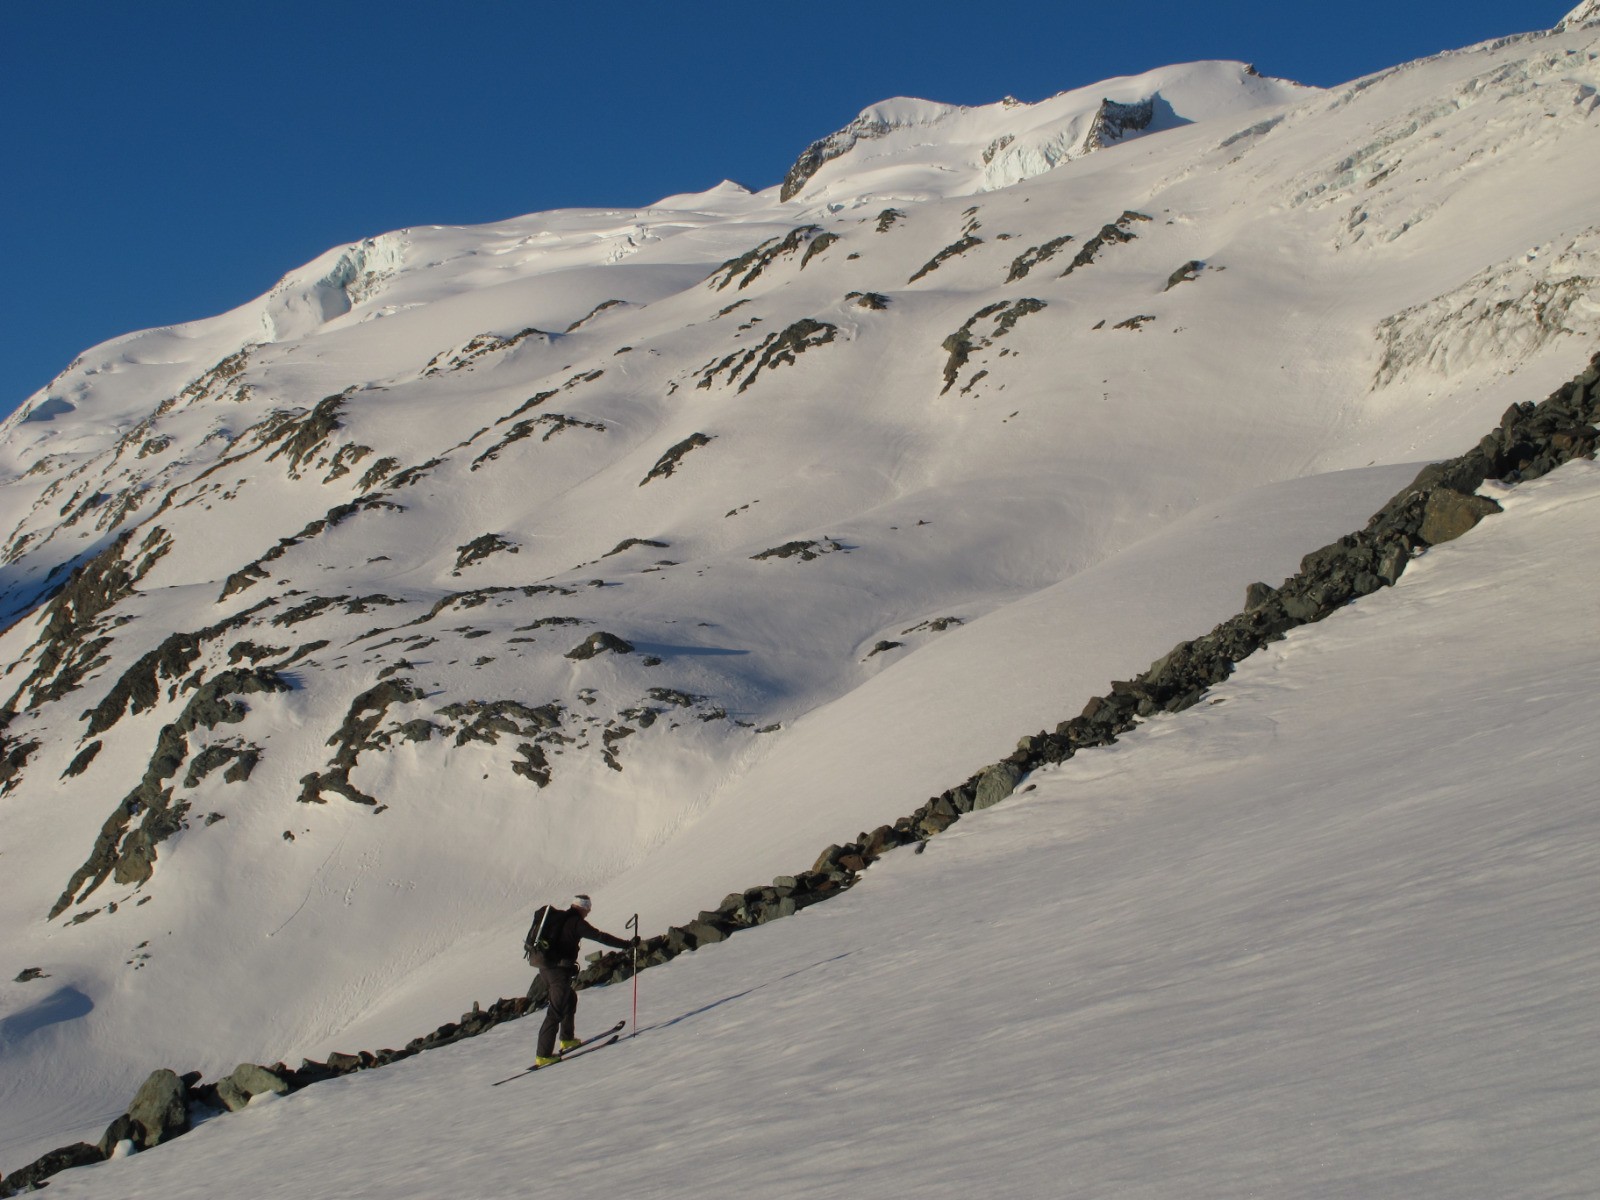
[{"x": 594, "y": 1042}]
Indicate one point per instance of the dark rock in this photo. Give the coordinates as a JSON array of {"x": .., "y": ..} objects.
[
  {"x": 299, "y": 437},
  {"x": 230, "y": 1095},
  {"x": 1033, "y": 256},
  {"x": 949, "y": 252},
  {"x": 1111, "y": 234},
  {"x": 160, "y": 1111},
  {"x": 600, "y": 643},
  {"x": 80, "y": 762},
  {"x": 630, "y": 543},
  {"x": 995, "y": 784},
  {"x": 749, "y": 266},
  {"x": 779, "y": 349},
  {"x": 818, "y": 244},
  {"x": 1258, "y": 594},
  {"x": 805, "y": 551},
  {"x": 1114, "y": 121},
  {"x": 481, "y": 548},
  {"x": 65, "y": 650},
  {"x": 253, "y": 1080},
  {"x": 1188, "y": 273},
  {"x": 31, "y": 1177},
  {"x": 961, "y": 344},
  {"x": 1449, "y": 514},
  {"x": 668, "y": 462},
  {"x": 120, "y": 1130}
]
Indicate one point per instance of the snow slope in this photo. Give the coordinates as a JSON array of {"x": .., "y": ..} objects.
[
  {"x": 1327, "y": 935},
  {"x": 754, "y": 438}
]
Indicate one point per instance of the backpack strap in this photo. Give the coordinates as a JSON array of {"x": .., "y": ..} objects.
[{"x": 535, "y": 944}]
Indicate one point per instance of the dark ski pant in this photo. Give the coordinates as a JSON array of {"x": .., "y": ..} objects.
[{"x": 562, "y": 1014}]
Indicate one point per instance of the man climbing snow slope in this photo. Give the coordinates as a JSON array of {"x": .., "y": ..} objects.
[{"x": 552, "y": 946}]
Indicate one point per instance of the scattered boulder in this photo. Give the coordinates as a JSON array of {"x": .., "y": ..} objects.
[
  {"x": 1449, "y": 514},
  {"x": 805, "y": 551},
  {"x": 119, "y": 1131},
  {"x": 32, "y": 1176},
  {"x": 600, "y": 643},
  {"x": 247, "y": 1081},
  {"x": 995, "y": 784},
  {"x": 160, "y": 1110},
  {"x": 668, "y": 462},
  {"x": 480, "y": 548},
  {"x": 80, "y": 762},
  {"x": 1188, "y": 273},
  {"x": 949, "y": 252}
]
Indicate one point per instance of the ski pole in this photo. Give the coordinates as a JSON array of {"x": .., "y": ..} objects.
[{"x": 634, "y": 925}]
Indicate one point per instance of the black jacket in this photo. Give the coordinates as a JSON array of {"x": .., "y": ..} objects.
[{"x": 564, "y": 929}]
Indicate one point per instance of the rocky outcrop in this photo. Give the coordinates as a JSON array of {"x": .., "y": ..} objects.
[
  {"x": 592, "y": 314},
  {"x": 1188, "y": 273},
  {"x": 600, "y": 643},
  {"x": 248, "y": 1081},
  {"x": 253, "y": 572},
  {"x": 300, "y": 436},
  {"x": 749, "y": 266},
  {"x": 480, "y": 548},
  {"x": 357, "y": 732},
  {"x": 805, "y": 551},
  {"x": 129, "y": 855},
  {"x": 470, "y": 353},
  {"x": 951, "y": 251},
  {"x": 1114, "y": 121},
  {"x": 551, "y": 423},
  {"x": 68, "y": 648},
  {"x": 668, "y": 462},
  {"x": 1034, "y": 255},
  {"x": 776, "y": 350},
  {"x": 32, "y": 1177},
  {"x": 139, "y": 687},
  {"x": 160, "y": 1110},
  {"x": 1116, "y": 232},
  {"x": 825, "y": 150},
  {"x": 964, "y": 342}
]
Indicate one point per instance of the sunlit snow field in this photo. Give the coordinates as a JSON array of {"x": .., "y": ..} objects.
[{"x": 1328, "y": 935}]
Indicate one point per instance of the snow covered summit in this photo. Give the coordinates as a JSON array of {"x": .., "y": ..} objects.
[{"x": 939, "y": 149}]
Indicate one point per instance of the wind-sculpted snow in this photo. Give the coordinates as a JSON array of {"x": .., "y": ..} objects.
[
  {"x": 1588, "y": 11},
  {"x": 331, "y": 286},
  {"x": 721, "y": 447},
  {"x": 1508, "y": 312}
]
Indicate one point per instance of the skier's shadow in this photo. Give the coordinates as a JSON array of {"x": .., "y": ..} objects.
[{"x": 705, "y": 1008}]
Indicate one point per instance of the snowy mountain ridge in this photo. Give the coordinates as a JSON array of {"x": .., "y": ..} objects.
[{"x": 648, "y": 552}]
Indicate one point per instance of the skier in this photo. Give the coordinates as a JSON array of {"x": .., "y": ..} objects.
[{"x": 553, "y": 947}]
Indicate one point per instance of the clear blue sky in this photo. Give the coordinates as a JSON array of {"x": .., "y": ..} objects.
[{"x": 170, "y": 159}]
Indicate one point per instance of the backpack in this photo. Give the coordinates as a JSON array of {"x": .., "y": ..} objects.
[{"x": 537, "y": 944}]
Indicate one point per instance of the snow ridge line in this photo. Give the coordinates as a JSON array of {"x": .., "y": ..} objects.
[{"x": 1438, "y": 506}]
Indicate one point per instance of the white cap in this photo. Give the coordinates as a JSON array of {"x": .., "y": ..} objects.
[{"x": 583, "y": 902}]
